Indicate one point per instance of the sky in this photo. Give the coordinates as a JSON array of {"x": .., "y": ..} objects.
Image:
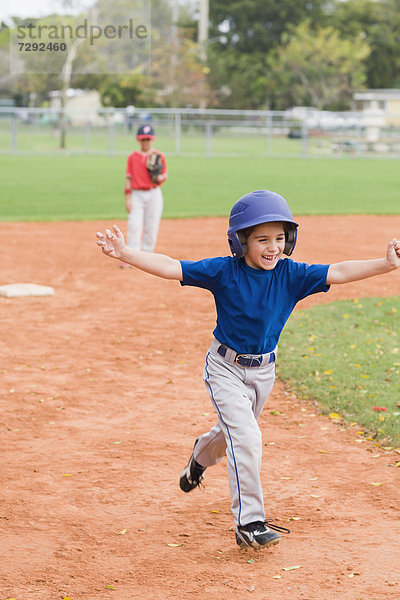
[{"x": 35, "y": 8}]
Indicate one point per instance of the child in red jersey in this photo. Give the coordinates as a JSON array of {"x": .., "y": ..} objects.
[{"x": 143, "y": 197}]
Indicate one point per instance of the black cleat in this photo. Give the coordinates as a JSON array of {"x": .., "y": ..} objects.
[
  {"x": 258, "y": 534},
  {"x": 192, "y": 474}
]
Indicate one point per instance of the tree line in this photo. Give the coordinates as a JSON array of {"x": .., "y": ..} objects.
[{"x": 259, "y": 54}]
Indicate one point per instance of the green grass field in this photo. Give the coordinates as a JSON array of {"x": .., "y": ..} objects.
[
  {"x": 76, "y": 187},
  {"x": 346, "y": 355},
  {"x": 91, "y": 187}
]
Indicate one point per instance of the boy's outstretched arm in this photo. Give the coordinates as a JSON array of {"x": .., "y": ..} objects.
[
  {"x": 113, "y": 244},
  {"x": 354, "y": 270}
]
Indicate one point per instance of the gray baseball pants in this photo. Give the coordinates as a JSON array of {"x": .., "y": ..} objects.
[
  {"x": 144, "y": 219},
  {"x": 238, "y": 395}
]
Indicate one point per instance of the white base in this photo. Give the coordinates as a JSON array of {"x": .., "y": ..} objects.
[{"x": 18, "y": 290}]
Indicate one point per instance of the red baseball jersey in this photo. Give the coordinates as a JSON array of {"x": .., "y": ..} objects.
[{"x": 137, "y": 171}]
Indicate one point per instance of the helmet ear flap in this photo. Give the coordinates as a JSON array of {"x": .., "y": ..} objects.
[
  {"x": 290, "y": 238},
  {"x": 236, "y": 246},
  {"x": 243, "y": 241}
]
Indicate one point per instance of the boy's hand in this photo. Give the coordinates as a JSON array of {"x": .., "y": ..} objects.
[
  {"x": 393, "y": 253},
  {"x": 112, "y": 243},
  {"x": 128, "y": 203}
]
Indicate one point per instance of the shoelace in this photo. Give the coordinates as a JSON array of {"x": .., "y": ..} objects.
[
  {"x": 269, "y": 523},
  {"x": 196, "y": 479},
  {"x": 197, "y": 472}
]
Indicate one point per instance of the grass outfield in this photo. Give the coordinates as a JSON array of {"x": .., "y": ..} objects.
[
  {"x": 91, "y": 187},
  {"x": 346, "y": 356}
]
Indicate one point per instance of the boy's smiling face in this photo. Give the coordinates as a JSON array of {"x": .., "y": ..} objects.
[{"x": 265, "y": 246}]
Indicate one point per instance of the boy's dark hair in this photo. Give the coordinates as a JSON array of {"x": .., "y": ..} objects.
[{"x": 246, "y": 233}]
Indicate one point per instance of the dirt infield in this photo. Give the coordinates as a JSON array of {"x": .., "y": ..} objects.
[{"x": 101, "y": 399}]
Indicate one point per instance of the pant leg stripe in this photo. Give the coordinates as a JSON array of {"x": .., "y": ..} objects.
[{"x": 229, "y": 435}]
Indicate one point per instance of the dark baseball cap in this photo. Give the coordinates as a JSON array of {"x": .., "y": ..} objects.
[{"x": 145, "y": 132}]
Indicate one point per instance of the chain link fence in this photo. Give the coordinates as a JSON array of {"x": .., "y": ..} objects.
[{"x": 196, "y": 132}]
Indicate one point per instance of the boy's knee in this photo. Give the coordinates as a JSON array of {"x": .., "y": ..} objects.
[{"x": 249, "y": 441}]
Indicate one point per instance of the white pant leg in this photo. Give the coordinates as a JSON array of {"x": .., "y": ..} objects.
[
  {"x": 238, "y": 395},
  {"x": 211, "y": 447},
  {"x": 135, "y": 220},
  {"x": 152, "y": 216}
]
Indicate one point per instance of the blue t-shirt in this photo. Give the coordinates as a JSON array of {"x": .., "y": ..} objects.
[{"x": 253, "y": 305}]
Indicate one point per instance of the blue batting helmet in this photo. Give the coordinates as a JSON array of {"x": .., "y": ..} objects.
[{"x": 261, "y": 206}]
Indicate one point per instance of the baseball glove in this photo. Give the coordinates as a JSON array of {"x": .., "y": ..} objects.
[{"x": 154, "y": 165}]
